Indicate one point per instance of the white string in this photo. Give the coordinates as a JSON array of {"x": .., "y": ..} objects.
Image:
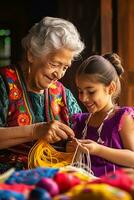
[
  {"x": 100, "y": 128},
  {"x": 84, "y": 133},
  {"x": 82, "y": 161},
  {"x": 88, "y": 160},
  {"x": 75, "y": 153}
]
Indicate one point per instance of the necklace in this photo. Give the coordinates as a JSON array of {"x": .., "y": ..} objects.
[{"x": 84, "y": 132}]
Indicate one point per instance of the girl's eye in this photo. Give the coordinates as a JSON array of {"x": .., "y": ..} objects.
[
  {"x": 91, "y": 92},
  {"x": 80, "y": 92}
]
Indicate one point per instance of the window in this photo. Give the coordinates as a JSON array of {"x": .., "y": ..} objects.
[{"x": 5, "y": 47}]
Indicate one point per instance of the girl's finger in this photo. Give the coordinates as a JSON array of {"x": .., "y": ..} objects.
[{"x": 85, "y": 141}]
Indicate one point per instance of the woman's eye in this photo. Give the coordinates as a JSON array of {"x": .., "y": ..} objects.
[
  {"x": 65, "y": 68},
  {"x": 59, "y": 65},
  {"x": 53, "y": 64}
]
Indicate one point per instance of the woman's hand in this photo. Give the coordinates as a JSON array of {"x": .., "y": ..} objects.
[
  {"x": 71, "y": 146},
  {"x": 53, "y": 131}
]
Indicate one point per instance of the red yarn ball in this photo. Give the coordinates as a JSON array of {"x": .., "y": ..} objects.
[
  {"x": 50, "y": 185},
  {"x": 65, "y": 181}
]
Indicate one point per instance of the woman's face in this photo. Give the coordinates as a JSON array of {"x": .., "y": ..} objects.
[
  {"x": 49, "y": 68},
  {"x": 95, "y": 96}
]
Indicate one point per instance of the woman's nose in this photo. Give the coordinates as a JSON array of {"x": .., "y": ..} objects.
[{"x": 59, "y": 74}]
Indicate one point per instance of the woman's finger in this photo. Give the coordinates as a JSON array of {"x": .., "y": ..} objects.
[
  {"x": 62, "y": 130},
  {"x": 66, "y": 129},
  {"x": 55, "y": 137},
  {"x": 61, "y": 134},
  {"x": 49, "y": 139}
]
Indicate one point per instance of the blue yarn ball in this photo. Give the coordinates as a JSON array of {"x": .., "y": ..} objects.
[{"x": 39, "y": 194}]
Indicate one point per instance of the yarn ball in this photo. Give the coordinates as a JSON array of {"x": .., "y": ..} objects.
[
  {"x": 50, "y": 185},
  {"x": 39, "y": 194},
  {"x": 8, "y": 195},
  {"x": 65, "y": 181}
]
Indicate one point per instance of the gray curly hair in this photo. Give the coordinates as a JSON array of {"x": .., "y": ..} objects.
[{"x": 52, "y": 34}]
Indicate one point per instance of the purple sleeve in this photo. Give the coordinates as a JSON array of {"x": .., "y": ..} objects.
[{"x": 128, "y": 111}]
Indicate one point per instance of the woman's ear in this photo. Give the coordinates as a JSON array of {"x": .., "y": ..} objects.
[
  {"x": 112, "y": 88},
  {"x": 30, "y": 57}
]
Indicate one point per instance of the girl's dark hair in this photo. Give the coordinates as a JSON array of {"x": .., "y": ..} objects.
[
  {"x": 116, "y": 62},
  {"x": 105, "y": 69}
]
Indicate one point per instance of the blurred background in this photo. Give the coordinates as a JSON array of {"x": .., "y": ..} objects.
[{"x": 105, "y": 26}]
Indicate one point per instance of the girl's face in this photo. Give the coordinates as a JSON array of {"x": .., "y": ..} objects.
[
  {"x": 94, "y": 95},
  {"x": 49, "y": 68}
]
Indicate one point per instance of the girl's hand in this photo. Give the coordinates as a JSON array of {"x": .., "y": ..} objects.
[{"x": 89, "y": 145}]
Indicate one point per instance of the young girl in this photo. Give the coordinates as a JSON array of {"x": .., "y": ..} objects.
[{"x": 107, "y": 131}]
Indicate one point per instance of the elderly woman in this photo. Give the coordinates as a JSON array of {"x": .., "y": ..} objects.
[{"x": 33, "y": 104}]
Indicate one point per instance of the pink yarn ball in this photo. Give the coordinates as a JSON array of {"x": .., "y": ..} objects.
[
  {"x": 65, "y": 181},
  {"x": 50, "y": 185}
]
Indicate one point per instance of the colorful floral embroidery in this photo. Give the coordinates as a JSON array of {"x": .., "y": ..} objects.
[
  {"x": 15, "y": 93},
  {"x": 23, "y": 119},
  {"x": 54, "y": 89},
  {"x": 18, "y": 105},
  {"x": 57, "y": 103},
  {"x": 22, "y": 108},
  {"x": 55, "y": 107},
  {"x": 11, "y": 85},
  {"x": 53, "y": 86},
  {"x": 11, "y": 74}
]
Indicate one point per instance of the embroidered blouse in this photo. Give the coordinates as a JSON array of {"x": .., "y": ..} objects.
[
  {"x": 19, "y": 107},
  {"x": 38, "y": 102}
]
